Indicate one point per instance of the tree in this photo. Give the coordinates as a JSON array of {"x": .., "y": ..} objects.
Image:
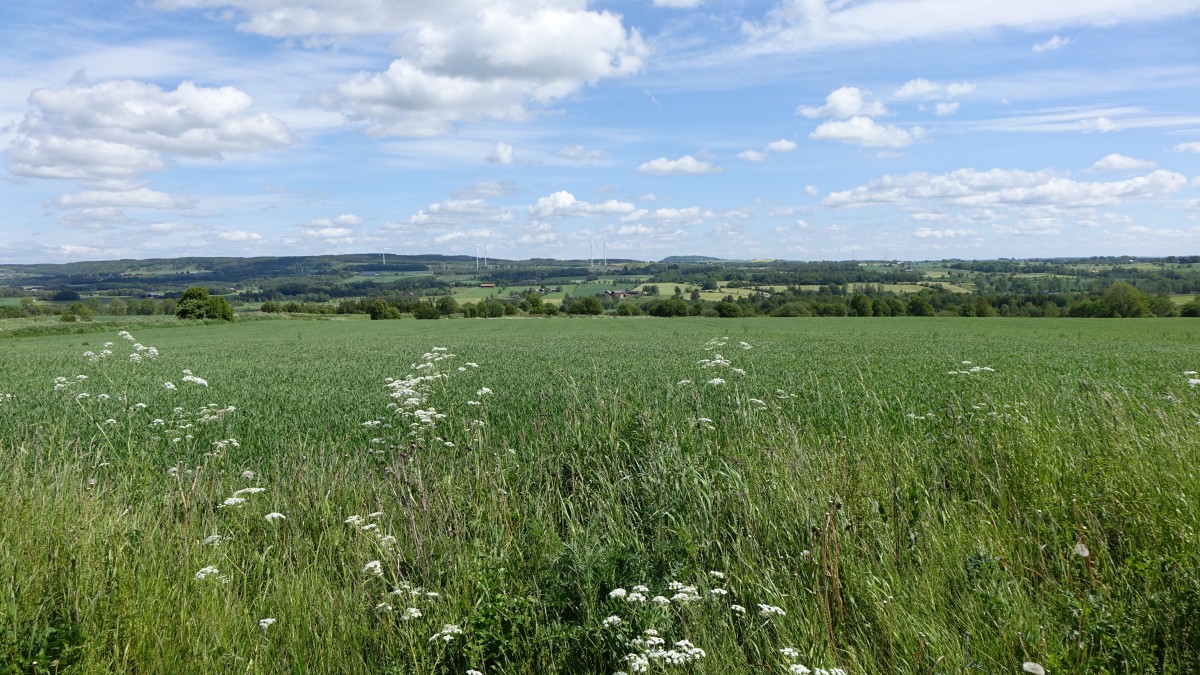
[
  {"x": 860, "y": 305},
  {"x": 447, "y": 305},
  {"x": 670, "y": 307},
  {"x": 1123, "y": 300},
  {"x": 918, "y": 305},
  {"x": 728, "y": 310},
  {"x": 196, "y": 303},
  {"x": 590, "y": 305},
  {"x": 117, "y": 307},
  {"x": 426, "y": 310}
]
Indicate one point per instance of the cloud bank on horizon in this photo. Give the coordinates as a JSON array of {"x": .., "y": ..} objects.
[{"x": 793, "y": 129}]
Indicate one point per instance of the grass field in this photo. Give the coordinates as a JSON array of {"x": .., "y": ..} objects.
[{"x": 876, "y": 495}]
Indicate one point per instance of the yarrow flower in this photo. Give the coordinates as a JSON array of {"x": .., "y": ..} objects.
[
  {"x": 275, "y": 516},
  {"x": 612, "y": 621},
  {"x": 374, "y": 567},
  {"x": 769, "y": 610},
  {"x": 265, "y": 623},
  {"x": 716, "y": 381}
]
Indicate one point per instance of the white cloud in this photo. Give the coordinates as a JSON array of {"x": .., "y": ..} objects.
[
  {"x": 867, "y": 132},
  {"x": 1099, "y": 124},
  {"x": 809, "y": 25},
  {"x": 845, "y": 102},
  {"x": 485, "y": 189},
  {"x": 925, "y": 90},
  {"x": 686, "y": 166},
  {"x": 1118, "y": 162},
  {"x": 580, "y": 152},
  {"x": 1192, "y": 146},
  {"x": 501, "y": 154},
  {"x": 753, "y": 156},
  {"x": 1053, "y": 43},
  {"x": 344, "y": 220},
  {"x": 692, "y": 215},
  {"x": 678, "y": 4},
  {"x": 141, "y": 198},
  {"x": 122, "y": 129},
  {"x": 781, "y": 145},
  {"x": 453, "y": 61},
  {"x": 564, "y": 204},
  {"x": 1001, "y": 188},
  {"x": 812, "y": 190},
  {"x": 238, "y": 235},
  {"x": 944, "y": 109},
  {"x": 927, "y": 233}
]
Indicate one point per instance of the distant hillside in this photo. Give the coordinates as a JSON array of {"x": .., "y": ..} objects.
[{"x": 690, "y": 259}]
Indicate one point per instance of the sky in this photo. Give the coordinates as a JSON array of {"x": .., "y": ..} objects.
[{"x": 747, "y": 129}]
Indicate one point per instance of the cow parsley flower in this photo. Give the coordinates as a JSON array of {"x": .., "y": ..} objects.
[
  {"x": 232, "y": 502},
  {"x": 275, "y": 516},
  {"x": 716, "y": 381},
  {"x": 769, "y": 610},
  {"x": 738, "y": 608},
  {"x": 206, "y": 572},
  {"x": 447, "y": 633}
]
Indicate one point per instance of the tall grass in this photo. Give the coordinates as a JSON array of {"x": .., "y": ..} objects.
[{"x": 886, "y": 515}]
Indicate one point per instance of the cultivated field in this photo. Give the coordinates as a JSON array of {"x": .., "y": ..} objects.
[{"x": 601, "y": 495}]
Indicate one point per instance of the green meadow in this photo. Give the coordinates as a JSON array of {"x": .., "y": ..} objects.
[{"x": 602, "y": 495}]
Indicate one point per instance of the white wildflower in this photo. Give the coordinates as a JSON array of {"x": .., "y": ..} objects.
[
  {"x": 716, "y": 381},
  {"x": 612, "y": 622},
  {"x": 683, "y": 383},
  {"x": 483, "y": 391},
  {"x": 1033, "y": 667},
  {"x": 248, "y": 474},
  {"x": 738, "y": 608},
  {"x": 265, "y": 623},
  {"x": 636, "y": 597},
  {"x": 719, "y": 591},
  {"x": 716, "y": 575},
  {"x": 617, "y": 593},
  {"x": 169, "y": 386},
  {"x": 232, "y": 502},
  {"x": 275, "y": 516},
  {"x": 447, "y": 633},
  {"x": 206, "y": 572},
  {"x": 472, "y": 671},
  {"x": 790, "y": 652},
  {"x": 249, "y": 491},
  {"x": 1081, "y": 550},
  {"x": 211, "y": 539},
  {"x": 383, "y": 607},
  {"x": 411, "y": 613},
  {"x": 660, "y": 600},
  {"x": 353, "y": 520},
  {"x": 195, "y": 380},
  {"x": 374, "y": 567},
  {"x": 745, "y": 345},
  {"x": 768, "y": 610},
  {"x": 798, "y": 669}
]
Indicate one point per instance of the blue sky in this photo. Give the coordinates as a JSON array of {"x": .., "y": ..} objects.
[{"x": 795, "y": 129}]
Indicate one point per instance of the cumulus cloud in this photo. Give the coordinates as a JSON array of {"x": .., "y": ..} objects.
[
  {"x": 452, "y": 61},
  {"x": 485, "y": 189},
  {"x": 944, "y": 109},
  {"x": 1192, "y": 146},
  {"x": 781, "y": 145},
  {"x": 922, "y": 89},
  {"x": 238, "y": 236},
  {"x": 685, "y": 166},
  {"x": 845, "y": 102},
  {"x": 344, "y": 220},
  {"x": 123, "y": 129},
  {"x": 678, "y": 4},
  {"x": 867, "y": 132},
  {"x": 1053, "y": 43},
  {"x": 501, "y": 154},
  {"x": 564, "y": 204},
  {"x": 1118, "y": 162}
]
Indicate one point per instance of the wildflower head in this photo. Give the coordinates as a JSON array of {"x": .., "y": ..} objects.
[{"x": 265, "y": 623}]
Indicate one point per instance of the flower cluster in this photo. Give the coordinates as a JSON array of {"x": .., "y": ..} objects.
[
  {"x": 971, "y": 370},
  {"x": 650, "y": 648}
]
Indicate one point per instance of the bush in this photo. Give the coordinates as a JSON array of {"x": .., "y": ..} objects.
[
  {"x": 426, "y": 310},
  {"x": 196, "y": 303}
]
